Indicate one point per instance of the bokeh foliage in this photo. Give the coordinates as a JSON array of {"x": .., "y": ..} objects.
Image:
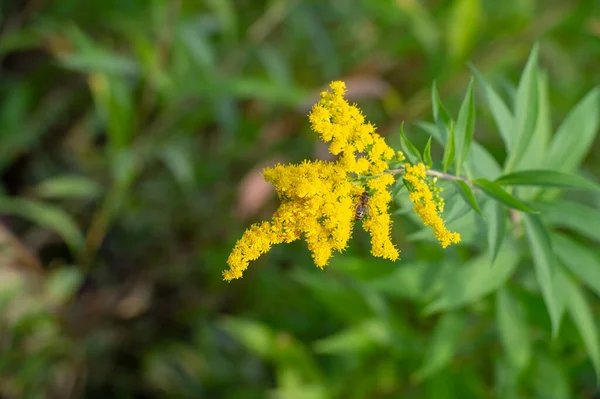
[{"x": 132, "y": 134}]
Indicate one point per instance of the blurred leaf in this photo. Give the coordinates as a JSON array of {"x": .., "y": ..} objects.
[
  {"x": 550, "y": 379},
  {"x": 409, "y": 280},
  {"x": 365, "y": 336},
  {"x": 465, "y": 126},
  {"x": 578, "y": 217},
  {"x": 254, "y": 335},
  {"x": 409, "y": 148},
  {"x": 67, "y": 187},
  {"x": 48, "y": 216},
  {"x": 514, "y": 331},
  {"x": 496, "y": 192},
  {"x": 226, "y": 14},
  {"x": 463, "y": 27},
  {"x": 427, "y": 154},
  {"x": 575, "y": 135},
  {"x": 585, "y": 321},
  {"x": 440, "y": 113},
  {"x": 500, "y": 112},
  {"x": 544, "y": 261},
  {"x": 449, "y": 150},
  {"x": 474, "y": 280},
  {"x": 526, "y": 109},
  {"x": 547, "y": 178},
  {"x": 467, "y": 195},
  {"x": 496, "y": 223},
  {"x": 579, "y": 259},
  {"x": 442, "y": 346},
  {"x": 63, "y": 283}
]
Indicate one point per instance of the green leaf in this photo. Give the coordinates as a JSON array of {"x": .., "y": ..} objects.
[
  {"x": 362, "y": 337},
  {"x": 535, "y": 156},
  {"x": 448, "y": 158},
  {"x": 467, "y": 194},
  {"x": 513, "y": 328},
  {"x": 544, "y": 261},
  {"x": 427, "y": 154},
  {"x": 409, "y": 148},
  {"x": 465, "y": 126},
  {"x": 463, "y": 26},
  {"x": 493, "y": 190},
  {"x": 48, "y": 216},
  {"x": 442, "y": 346},
  {"x": 575, "y": 135},
  {"x": 526, "y": 109},
  {"x": 578, "y": 217},
  {"x": 255, "y": 336},
  {"x": 496, "y": 228},
  {"x": 547, "y": 178},
  {"x": 500, "y": 111},
  {"x": 585, "y": 321},
  {"x": 579, "y": 259},
  {"x": 471, "y": 282},
  {"x": 440, "y": 113},
  {"x": 67, "y": 187}
]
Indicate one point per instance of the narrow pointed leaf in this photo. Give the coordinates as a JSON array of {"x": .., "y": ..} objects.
[
  {"x": 580, "y": 311},
  {"x": 513, "y": 329},
  {"x": 544, "y": 261},
  {"x": 493, "y": 190},
  {"x": 579, "y": 259},
  {"x": 409, "y": 148},
  {"x": 578, "y": 217},
  {"x": 526, "y": 109},
  {"x": 48, "y": 216},
  {"x": 465, "y": 126},
  {"x": 500, "y": 111},
  {"x": 574, "y": 136},
  {"x": 448, "y": 158},
  {"x": 547, "y": 178},
  {"x": 467, "y": 194},
  {"x": 442, "y": 345},
  {"x": 496, "y": 228},
  {"x": 427, "y": 154},
  {"x": 439, "y": 111}
]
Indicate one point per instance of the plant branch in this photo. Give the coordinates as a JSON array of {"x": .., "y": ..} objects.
[{"x": 435, "y": 173}]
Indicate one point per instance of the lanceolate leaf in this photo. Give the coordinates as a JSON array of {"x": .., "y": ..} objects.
[
  {"x": 578, "y": 217},
  {"x": 579, "y": 259},
  {"x": 500, "y": 112},
  {"x": 526, "y": 109},
  {"x": 575, "y": 135},
  {"x": 442, "y": 345},
  {"x": 513, "y": 328},
  {"x": 465, "y": 126},
  {"x": 427, "y": 154},
  {"x": 45, "y": 215},
  {"x": 544, "y": 261},
  {"x": 547, "y": 178},
  {"x": 439, "y": 111},
  {"x": 467, "y": 194},
  {"x": 449, "y": 150},
  {"x": 493, "y": 190},
  {"x": 409, "y": 148},
  {"x": 585, "y": 321},
  {"x": 496, "y": 223}
]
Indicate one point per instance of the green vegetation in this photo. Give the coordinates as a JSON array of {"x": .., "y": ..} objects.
[{"x": 132, "y": 136}]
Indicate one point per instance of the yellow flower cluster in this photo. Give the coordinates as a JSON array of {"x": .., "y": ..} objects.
[
  {"x": 319, "y": 199},
  {"x": 427, "y": 204}
]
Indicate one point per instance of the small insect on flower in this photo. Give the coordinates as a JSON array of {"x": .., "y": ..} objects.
[{"x": 363, "y": 206}]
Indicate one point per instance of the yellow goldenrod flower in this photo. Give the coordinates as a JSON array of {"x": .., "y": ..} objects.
[
  {"x": 320, "y": 200},
  {"x": 427, "y": 203}
]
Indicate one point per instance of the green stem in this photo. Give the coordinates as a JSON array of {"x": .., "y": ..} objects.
[{"x": 434, "y": 173}]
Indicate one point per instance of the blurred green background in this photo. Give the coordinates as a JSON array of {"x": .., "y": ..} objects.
[{"x": 132, "y": 135}]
